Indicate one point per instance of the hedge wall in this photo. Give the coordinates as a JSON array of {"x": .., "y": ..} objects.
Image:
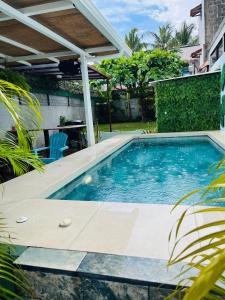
[{"x": 188, "y": 103}]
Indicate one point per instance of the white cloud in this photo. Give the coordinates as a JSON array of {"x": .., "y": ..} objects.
[{"x": 174, "y": 11}]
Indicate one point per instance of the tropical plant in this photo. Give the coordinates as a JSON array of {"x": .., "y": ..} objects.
[
  {"x": 71, "y": 86},
  {"x": 12, "y": 278},
  {"x": 184, "y": 35},
  {"x": 18, "y": 155},
  {"x": 14, "y": 77},
  {"x": 164, "y": 39},
  {"x": 206, "y": 254},
  {"x": 134, "y": 41},
  {"x": 135, "y": 73}
]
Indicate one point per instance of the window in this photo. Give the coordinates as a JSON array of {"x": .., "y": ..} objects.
[{"x": 218, "y": 52}]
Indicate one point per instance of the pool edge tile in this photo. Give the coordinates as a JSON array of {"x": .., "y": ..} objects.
[
  {"x": 65, "y": 260},
  {"x": 148, "y": 271}
]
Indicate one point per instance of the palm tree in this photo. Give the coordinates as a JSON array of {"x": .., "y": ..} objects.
[
  {"x": 134, "y": 41},
  {"x": 164, "y": 39},
  {"x": 20, "y": 157},
  {"x": 184, "y": 35}
]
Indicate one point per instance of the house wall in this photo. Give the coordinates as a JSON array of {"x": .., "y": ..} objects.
[{"x": 214, "y": 13}]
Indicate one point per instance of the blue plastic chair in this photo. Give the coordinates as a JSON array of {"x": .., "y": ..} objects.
[{"x": 56, "y": 148}]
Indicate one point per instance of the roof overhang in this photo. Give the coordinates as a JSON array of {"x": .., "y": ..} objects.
[
  {"x": 38, "y": 31},
  {"x": 196, "y": 11},
  {"x": 197, "y": 53}
]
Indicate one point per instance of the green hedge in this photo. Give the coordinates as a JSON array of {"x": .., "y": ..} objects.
[
  {"x": 188, "y": 103},
  {"x": 222, "y": 81}
]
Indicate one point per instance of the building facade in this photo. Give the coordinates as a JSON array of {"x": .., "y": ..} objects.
[{"x": 211, "y": 15}]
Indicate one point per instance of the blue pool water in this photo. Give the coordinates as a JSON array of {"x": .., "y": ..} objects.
[{"x": 159, "y": 170}]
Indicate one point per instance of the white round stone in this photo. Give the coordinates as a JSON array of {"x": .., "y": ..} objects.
[
  {"x": 65, "y": 223},
  {"x": 21, "y": 220}
]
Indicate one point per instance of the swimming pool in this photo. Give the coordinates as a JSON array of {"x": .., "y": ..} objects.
[{"x": 154, "y": 170}]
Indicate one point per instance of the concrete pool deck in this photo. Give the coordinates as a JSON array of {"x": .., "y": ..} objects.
[{"x": 128, "y": 229}]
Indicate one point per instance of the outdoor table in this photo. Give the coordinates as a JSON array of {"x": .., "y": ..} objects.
[{"x": 60, "y": 128}]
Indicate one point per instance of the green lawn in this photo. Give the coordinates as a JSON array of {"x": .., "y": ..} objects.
[{"x": 129, "y": 126}]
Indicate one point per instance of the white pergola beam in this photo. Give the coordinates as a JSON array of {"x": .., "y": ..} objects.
[
  {"x": 26, "y": 63},
  {"x": 43, "y": 56},
  {"x": 88, "y": 9},
  {"x": 100, "y": 49},
  {"x": 15, "y": 14},
  {"x": 24, "y": 47},
  {"x": 100, "y": 58},
  {"x": 85, "y": 7},
  {"x": 87, "y": 101},
  {"x": 41, "y": 9},
  {"x": 18, "y": 45},
  {"x": 7, "y": 57},
  {"x": 67, "y": 53}
]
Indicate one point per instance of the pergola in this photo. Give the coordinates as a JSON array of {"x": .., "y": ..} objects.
[{"x": 38, "y": 32}]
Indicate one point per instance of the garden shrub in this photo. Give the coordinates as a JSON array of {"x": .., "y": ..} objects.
[
  {"x": 222, "y": 81},
  {"x": 188, "y": 103}
]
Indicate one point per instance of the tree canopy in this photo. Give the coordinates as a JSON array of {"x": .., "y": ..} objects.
[{"x": 136, "y": 72}]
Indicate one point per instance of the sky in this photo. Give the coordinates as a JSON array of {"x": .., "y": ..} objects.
[{"x": 146, "y": 15}]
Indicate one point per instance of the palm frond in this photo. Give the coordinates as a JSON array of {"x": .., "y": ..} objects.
[
  {"x": 135, "y": 41},
  {"x": 18, "y": 154},
  {"x": 28, "y": 116},
  {"x": 207, "y": 252},
  {"x": 10, "y": 273}
]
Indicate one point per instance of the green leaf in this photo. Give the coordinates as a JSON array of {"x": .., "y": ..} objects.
[{"x": 205, "y": 281}]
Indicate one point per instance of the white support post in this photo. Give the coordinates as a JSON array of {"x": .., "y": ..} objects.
[{"x": 87, "y": 101}]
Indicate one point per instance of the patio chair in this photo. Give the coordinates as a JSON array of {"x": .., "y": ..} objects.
[{"x": 56, "y": 148}]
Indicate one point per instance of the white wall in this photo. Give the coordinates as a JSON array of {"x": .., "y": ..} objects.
[
  {"x": 5, "y": 120},
  {"x": 50, "y": 114}
]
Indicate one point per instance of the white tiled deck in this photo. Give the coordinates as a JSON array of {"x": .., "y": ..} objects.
[{"x": 114, "y": 228}]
